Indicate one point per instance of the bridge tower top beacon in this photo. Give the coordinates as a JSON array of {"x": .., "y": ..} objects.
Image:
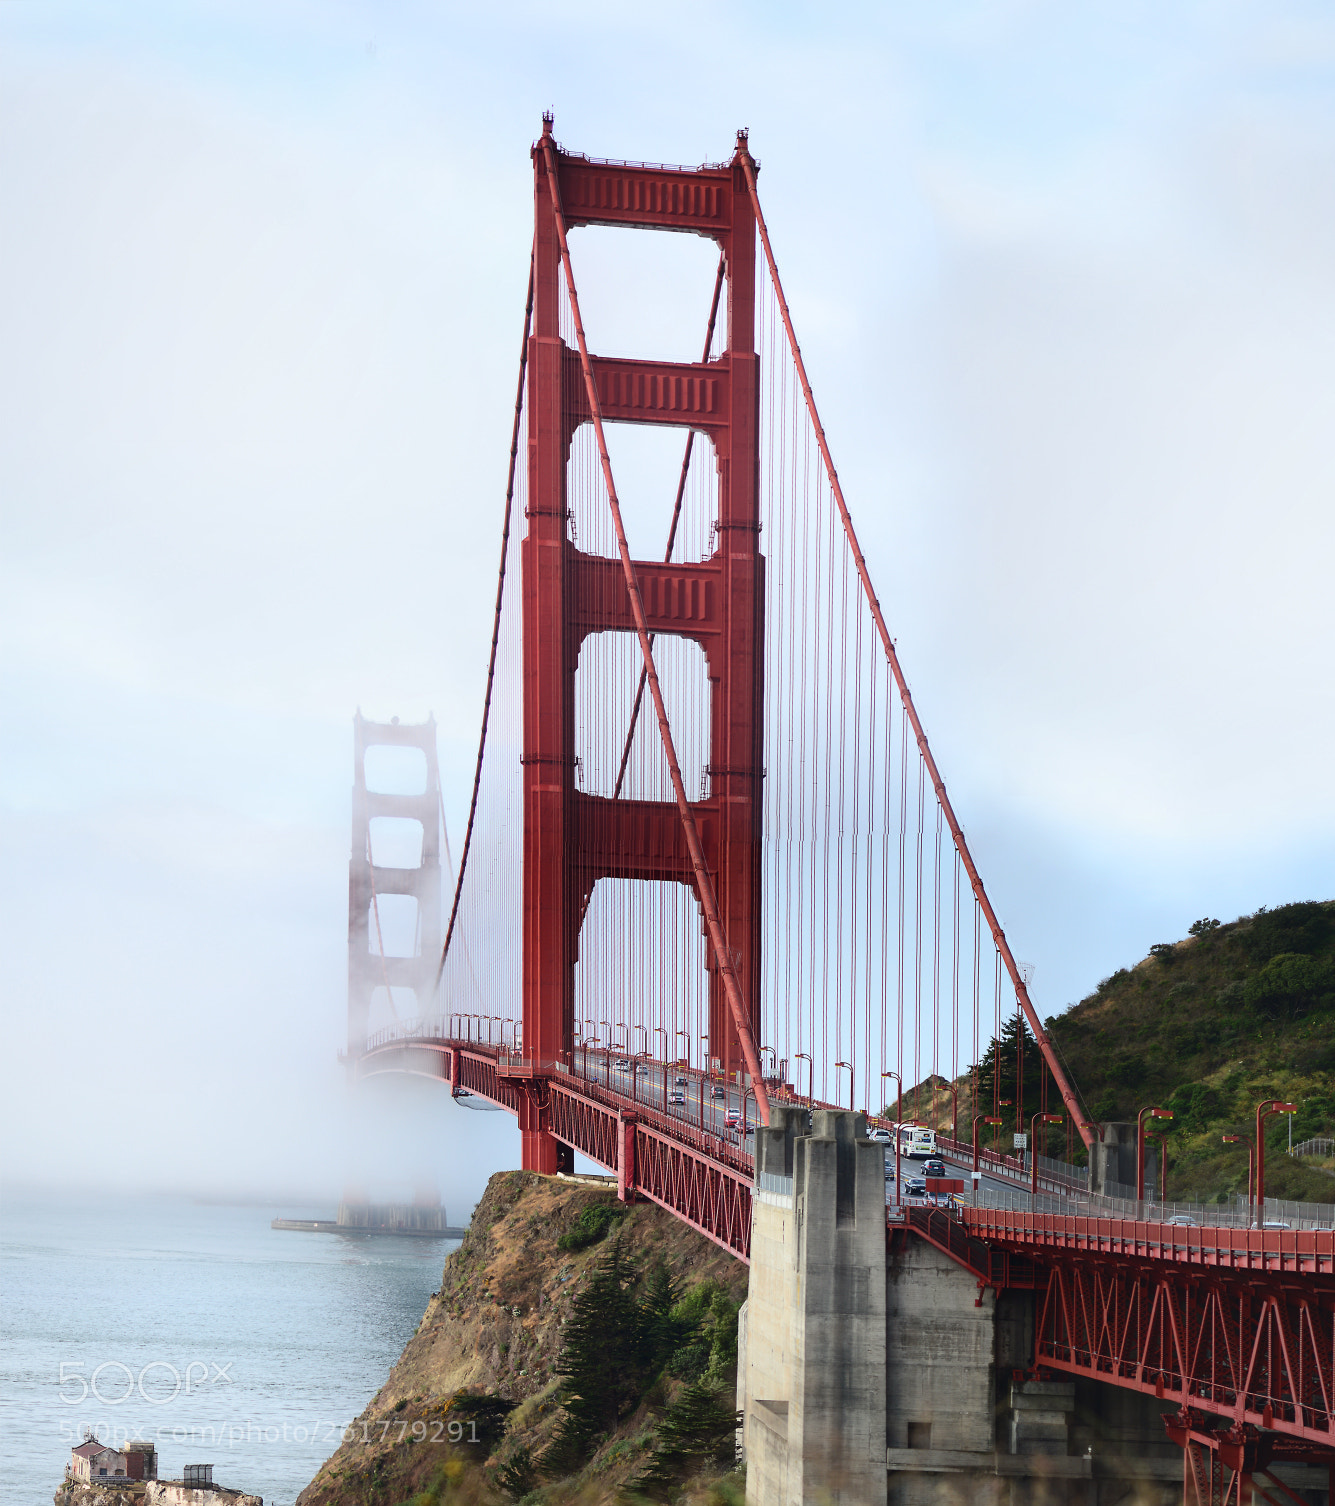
[
  {"x": 571, "y": 838},
  {"x": 374, "y": 886}
]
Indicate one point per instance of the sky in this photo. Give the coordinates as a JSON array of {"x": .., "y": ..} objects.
[{"x": 1064, "y": 277}]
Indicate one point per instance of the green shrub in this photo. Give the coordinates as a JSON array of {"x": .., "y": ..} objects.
[
  {"x": 1290, "y": 986},
  {"x": 594, "y": 1220}
]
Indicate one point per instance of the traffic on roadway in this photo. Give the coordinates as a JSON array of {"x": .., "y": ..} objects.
[{"x": 727, "y": 1111}]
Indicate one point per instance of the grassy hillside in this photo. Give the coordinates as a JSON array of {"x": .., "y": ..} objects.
[
  {"x": 1210, "y": 1025},
  {"x": 1207, "y": 1026}
]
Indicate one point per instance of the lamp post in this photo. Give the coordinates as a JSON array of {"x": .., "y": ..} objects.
[
  {"x": 1140, "y": 1147},
  {"x": 811, "y": 1075},
  {"x": 750, "y": 1089},
  {"x": 1034, "y": 1122},
  {"x": 659, "y": 1030},
  {"x": 977, "y": 1120},
  {"x": 1163, "y": 1164},
  {"x": 1264, "y": 1110},
  {"x": 687, "y": 1034},
  {"x": 774, "y": 1059},
  {"x": 634, "y": 1069},
  {"x": 899, "y": 1109},
  {"x": 954, "y": 1112},
  {"x": 586, "y": 1043},
  {"x": 645, "y": 1028},
  {"x": 899, "y": 1101},
  {"x": 849, "y": 1065},
  {"x": 1251, "y": 1163}
]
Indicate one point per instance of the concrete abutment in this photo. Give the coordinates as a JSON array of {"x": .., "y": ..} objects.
[{"x": 873, "y": 1371}]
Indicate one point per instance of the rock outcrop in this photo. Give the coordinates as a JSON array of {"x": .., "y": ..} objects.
[{"x": 494, "y": 1329}]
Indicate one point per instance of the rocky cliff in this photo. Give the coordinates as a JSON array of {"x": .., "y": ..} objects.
[{"x": 474, "y": 1402}]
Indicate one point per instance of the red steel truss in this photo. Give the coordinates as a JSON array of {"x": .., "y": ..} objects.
[
  {"x": 1232, "y": 1467},
  {"x": 572, "y": 839},
  {"x": 1260, "y": 1354},
  {"x": 700, "y": 1178}
]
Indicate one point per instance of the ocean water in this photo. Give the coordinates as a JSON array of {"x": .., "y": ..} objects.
[{"x": 198, "y": 1327}]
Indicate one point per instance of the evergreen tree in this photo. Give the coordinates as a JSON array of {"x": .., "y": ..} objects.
[
  {"x": 602, "y": 1361},
  {"x": 517, "y": 1476},
  {"x": 698, "y": 1432},
  {"x": 1000, "y": 1066},
  {"x": 662, "y": 1327}
]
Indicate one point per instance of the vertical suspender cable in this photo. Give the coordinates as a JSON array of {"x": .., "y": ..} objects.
[
  {"x": 998, "y": 935},
  {"x": 672, "y": 534}
]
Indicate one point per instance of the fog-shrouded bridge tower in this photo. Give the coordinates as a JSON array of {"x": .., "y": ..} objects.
[{"x": 370, "y": 967}]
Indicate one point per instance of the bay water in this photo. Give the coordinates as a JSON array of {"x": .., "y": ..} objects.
[{"x": 197, "y": 1327}]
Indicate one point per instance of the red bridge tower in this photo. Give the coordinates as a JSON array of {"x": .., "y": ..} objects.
[{"x": 572, "y": 839}]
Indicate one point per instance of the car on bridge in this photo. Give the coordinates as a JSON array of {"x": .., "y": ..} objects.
[
  {"x": 679, "y": 1082},
  {"x": 881, "y": 1135},
  {"x": 676, "y": 1098},
  {"x": 934, "y": 1168},
  {"x": 717, "y": 1092}
]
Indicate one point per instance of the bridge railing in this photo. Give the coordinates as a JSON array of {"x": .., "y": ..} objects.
[
  {"x": 1234, "y": 1215},
  {"x": 1056, "y": 1175}
]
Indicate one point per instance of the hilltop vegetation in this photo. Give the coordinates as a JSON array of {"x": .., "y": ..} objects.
[{"x": 1206, "y": 1026}]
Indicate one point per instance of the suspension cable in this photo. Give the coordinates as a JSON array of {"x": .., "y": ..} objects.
[
  {"x": 1087, "y": 1130},
  {"x": 495, "y": 625}
]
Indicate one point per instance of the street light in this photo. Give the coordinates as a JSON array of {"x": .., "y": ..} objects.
[
  {"x": 1140, "y": 1147},
  {"x": 811, "y": 1075},
  {"x": 977, "y": 1120},
  {"x": 1264, "y": 1110},
  {"x": 849, "y": 1065},
  {"x": 1034, "y": 1122},
  {"x": 687, "y": 1034},
  {"x": 659, "y": 1030},
  {"x": 1163, "y": 1164},
  {"x": 1251, "y": 1164},
  {"x": 899, "y": 1103},
  {"x": 954, "y": 1112},
  {"x": 774, "y": 1059},
  {"x": 645, "y": 1028}
]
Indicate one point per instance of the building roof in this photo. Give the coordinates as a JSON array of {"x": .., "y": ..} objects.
[{"x": 92, "y": 1449}]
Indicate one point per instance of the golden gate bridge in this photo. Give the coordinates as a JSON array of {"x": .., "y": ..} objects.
[{"x": 711, "y": 865}]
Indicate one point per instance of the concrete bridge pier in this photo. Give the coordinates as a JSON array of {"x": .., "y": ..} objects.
[
  {"x": 811, "y": 1359},
  {"x": 874, "y": 1371}
]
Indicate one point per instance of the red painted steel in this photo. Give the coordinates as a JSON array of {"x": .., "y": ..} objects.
[
  {"x": 571, "y": 840},
  {"x": 693, "y": 1174},
  {"x": 1221, "y": 1468},
  {"x": 1260, "y": 1354},
  {"x": 1275, "y": 1252}
]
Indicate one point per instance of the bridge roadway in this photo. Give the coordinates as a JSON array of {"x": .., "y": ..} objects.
[{"x": 1229, "y": 1321}]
